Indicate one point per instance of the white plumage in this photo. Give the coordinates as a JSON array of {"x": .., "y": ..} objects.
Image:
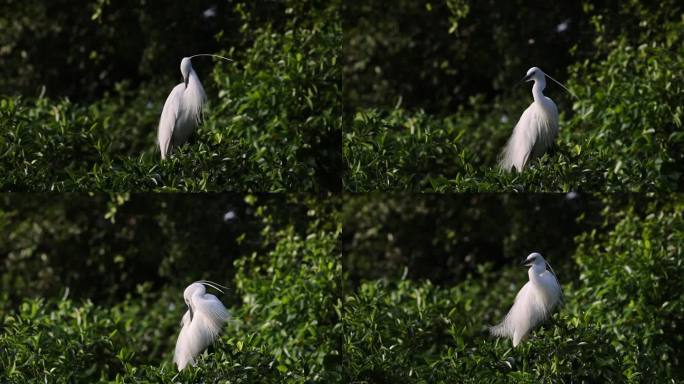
[
  {"x": 533, "y": 304},
  {"x": 536, "y": 130},
  {"x": 201, "y": 324},
  {"x": 182, "y": 110}
]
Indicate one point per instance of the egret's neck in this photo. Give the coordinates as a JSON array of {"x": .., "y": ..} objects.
[
  {"x": 195, "y": 87},
  {"x": 198, "y": 294},
  {"x": 537, "y": 89},
  {"x": 193, "y": 76},
  {"x": 534, "y": 272}
]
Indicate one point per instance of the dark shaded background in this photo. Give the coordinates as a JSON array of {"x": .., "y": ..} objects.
[
  {"x": 405, "y": 52},
  {"x": 82, "y": 48},
  {"x": 101, "y": 247},
  {"x": 446, "y": 237}
]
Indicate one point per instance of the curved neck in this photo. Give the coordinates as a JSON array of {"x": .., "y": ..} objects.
[
  {"x": 198, "y": 293},
  {"x": 534, "y": 272},
  {"x": 194, "y": 79},
  {"x": 537, "y": 88}
]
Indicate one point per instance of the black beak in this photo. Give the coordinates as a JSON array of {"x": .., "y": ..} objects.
[
  {"x": 524, "y": 79},
  {"x": 186, "y": 81},
  {"x": 525, "y": 263},
  {"x": 191, "y": 314}
]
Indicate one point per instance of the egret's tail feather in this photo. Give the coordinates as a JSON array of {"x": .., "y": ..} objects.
[
  {"x": 500, "y": 330},
  {"x": 516, "y": 152}
]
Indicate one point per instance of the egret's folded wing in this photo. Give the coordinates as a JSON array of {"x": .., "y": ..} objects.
[
  {"x": 213, "y": 311},
  {"x": 531, "y": 133},
  {"x": 186, "y": 319},
  {"x": 560, "y": 287},
  {"x": 520, "y": 144},
  {"x": 183, "y": 354},
  {"x": 167, "y": 121}
]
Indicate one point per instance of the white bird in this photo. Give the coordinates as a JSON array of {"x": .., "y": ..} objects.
[
  {"x": 182, "y": 109},
  {"x": 533, "y": 304},
  {"x": 201, "y": 324},
  {"x": 537, "y": 128}
]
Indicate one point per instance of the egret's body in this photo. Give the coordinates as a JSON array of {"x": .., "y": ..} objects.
[
  {"x": 182, "y": 110},
  {"x": 536, "y": 130},
  {"x": 201, "y": 324},
  {"x": 533, "y": 304}
]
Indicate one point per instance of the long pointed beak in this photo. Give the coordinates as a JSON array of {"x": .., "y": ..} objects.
[
  {"x": 191, "y": 313},
  {"x": 525, "y": 263},
  {"x": 186, "y": 81}
]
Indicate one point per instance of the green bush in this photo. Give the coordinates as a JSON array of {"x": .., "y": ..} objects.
[
  {"x": 632, "y": 127},
  {"x": 293, "y": 296},
  {"x": 623, "y": 132},
  {"x": 631, "y": 279},
  {"x": 620, "y": 323},
  {"x": 72, "y": 343},
  {"x": 285, "y": 325},
  {"x": 272, "y": 123}
]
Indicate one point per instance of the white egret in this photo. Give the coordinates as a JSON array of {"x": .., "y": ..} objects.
[
  {"x": 537, "y": 128},
  {"x": 201, "y": 324},
  {"x": 533, "y": 304},
  {"x": 182, "y": 110}
]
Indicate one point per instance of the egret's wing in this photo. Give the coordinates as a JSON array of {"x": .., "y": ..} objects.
[
  {"x": 184, "y": 352},
  {"x": 520, "y": 144},
  {"x": 168, "y": 118},
  {"x": 518, "y": 317},
  {"x": 550, "y": 269},
  {"x": 548, "y": 266},
  {"x": 554, "y": 118},
  {"x": 212, "y": 312},
  {"x": 186, "y": 319},
  {"x": 195, "y": 96},
  {"x": 208, "y": 318},
  {"x": 199, "y": 331},
  {"x": 531, "y": 132},
  {"x": 547, "y": 124}
]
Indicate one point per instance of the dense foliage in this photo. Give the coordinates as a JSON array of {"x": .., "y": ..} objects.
[
  {"x": 283, "y": 268},
  {"x": 425, "y": 126},
  {"x": 91, "y": 284},
  {"x": 324, "y": 96},
  {"x": 272, "y": 124},
  {"x": 621, "y": 322}
]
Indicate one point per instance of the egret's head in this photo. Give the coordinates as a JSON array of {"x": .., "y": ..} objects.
[
  {"x": 534, "y": 73},
  {"x": 191, "y": 290},
  {"x": 198, "y": 287},
  {"x": 186, "y": 67},
  {"x": 534, "y": 259}
]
